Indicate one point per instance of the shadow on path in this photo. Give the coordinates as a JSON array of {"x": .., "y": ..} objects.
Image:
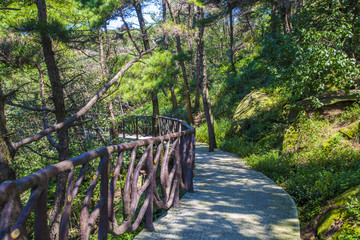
[{"x": 231, "y": 201}]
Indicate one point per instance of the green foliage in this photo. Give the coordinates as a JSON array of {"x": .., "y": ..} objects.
[
  {"x": 252, "y": 74},
  {"x": 351, "y": 114},
  {"x": 272, "y": 164},
  {"x": 353, "y": 206},
  {"x": 160, "y": 70},
  {"x": 314, "y": 58},
  {"x": 221, "y": 127}
]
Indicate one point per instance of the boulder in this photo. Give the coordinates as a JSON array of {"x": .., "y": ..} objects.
[
  {"x": 337, "y": 220},
  {"x": 351, "y": 130},
  {"x": 251, "y": 106}
]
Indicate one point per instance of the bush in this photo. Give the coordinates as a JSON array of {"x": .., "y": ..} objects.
[{"x": 221, "y": 127}]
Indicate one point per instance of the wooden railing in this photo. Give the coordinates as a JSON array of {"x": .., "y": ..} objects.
[
  {"x": 144, "y": 126},
  {"x": 129, "y": 178}
]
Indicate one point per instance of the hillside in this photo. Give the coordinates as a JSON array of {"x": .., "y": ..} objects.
[{"x": 275, "y": 82}]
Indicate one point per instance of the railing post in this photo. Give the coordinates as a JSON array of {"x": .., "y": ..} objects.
[
  {"x": 159, "y": 129},
  {"x": 176, "y": 203},
  {"x": 183, "y": 160},
  {"x": 192, "y": 162},
  {"x": 104, "y": 191},
  {"x": 155, "y": 125},
  {"x": 41, "y": 217},
  {"x": 150, "y": 191},
  {"x": 65, "y": 218}
]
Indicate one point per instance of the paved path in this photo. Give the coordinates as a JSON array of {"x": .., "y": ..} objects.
[{"x": 231, "y": 201}]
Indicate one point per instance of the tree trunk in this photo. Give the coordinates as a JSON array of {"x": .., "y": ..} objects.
[
  {"x": 274, "y": 20},
  {"x": 154, "y": 98},
  {"x": 60, "y": 113},
  {"x": 205, "y": 92},
  {"x": 7, "y": 172},
  {"x": 173, "y": 98},
  {"x": 198, "y": 78},
  {"x": 155, "y": 116},
  {"x": 43, "y": 101},
  {"x": 103, "y": 64},
  {"x": 232, "y": 42},
  {"x": 144, "y": 35},
  {"x": 197, "y": 71},
  {"x": 186, "y": 85},
  {"x": 113, "y": 128},
  {"x": 285, "y": 10},
  {"x": 163, "y": 3}
]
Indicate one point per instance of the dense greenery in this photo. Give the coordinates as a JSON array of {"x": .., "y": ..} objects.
[{"x": 282, "y": 78}]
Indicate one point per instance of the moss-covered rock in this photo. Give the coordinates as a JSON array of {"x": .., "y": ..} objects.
[
  {"x": 291, "y": 112},
  {"x": 336, "y": 221},
  {"x": 351, "y": 130},
  {"x": 251, "y": 106}
]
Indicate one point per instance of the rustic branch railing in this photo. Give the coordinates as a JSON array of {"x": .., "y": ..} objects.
[
  {"x": 143, "y": 126},
  {"x": 157, "y": 168}
]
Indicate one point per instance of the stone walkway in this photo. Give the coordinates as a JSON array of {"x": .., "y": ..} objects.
[{"x": 231, "y": 201}]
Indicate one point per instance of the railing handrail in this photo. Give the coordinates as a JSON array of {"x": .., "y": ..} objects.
[
  {"x": 31, "y": 180},
  {"x": 9, "y": 189}
]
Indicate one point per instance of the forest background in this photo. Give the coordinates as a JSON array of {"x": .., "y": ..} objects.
[{"x": 274, "y": 81}]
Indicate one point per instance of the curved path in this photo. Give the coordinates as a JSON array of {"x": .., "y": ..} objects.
[{"x": 231, "y": 201}]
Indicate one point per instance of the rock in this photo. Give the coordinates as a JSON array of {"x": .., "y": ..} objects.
[
  {"x": 351, "y": 130},
  {"x": 336, "y": 221},
  {"x": 333, "y": 104},
  {"x": 251, "y": 106}
]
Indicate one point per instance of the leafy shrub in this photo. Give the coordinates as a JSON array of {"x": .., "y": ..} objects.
[
  {"x": 272, "y": 164},
  {"x": 315, "y": 57},
  {"x": 221, "y": 127}
]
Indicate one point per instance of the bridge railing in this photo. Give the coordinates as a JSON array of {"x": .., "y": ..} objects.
[
  {"x": 144, "y": 126},
  {"x": 129, "y": 178}
]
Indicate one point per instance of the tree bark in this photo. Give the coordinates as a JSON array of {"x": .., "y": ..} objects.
[
  {"x": 197, "y": 77},
  {"x": 7, "y": 172},
  {"x": 43, "y": 101},
  {"x": 154, "y": 97},
  {"x": 103, "y": 63},
  {"x": 232, "y": 42},
  {"x": 205, "y": 92},
  {"x": 186, "y": 84},
  {"x": 156, "y": 112},
  {"x": 163, "y": 3},
  {"x": 173, "y": 98},
  {"x": 113, "y": 129},
  {"x": 144, "y": 35},
  {"x": 285, "y": 10},
  {"x": 60, "y": 114}
]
